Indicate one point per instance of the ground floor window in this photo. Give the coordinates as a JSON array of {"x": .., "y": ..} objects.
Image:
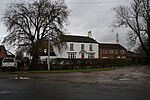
[
  {"x": 91, "y": 55},
  {"x": 72, "y": 55}
]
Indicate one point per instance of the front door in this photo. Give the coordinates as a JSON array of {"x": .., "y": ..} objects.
[{"x": 82, "y": 55}]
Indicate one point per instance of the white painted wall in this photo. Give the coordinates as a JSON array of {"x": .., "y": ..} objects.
[{"x": 77, "y": 48}]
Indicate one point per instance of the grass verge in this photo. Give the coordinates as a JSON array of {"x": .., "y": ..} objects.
[{"x": 66, "y": 71}]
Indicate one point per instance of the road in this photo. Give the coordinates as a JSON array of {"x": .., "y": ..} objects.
[{"x": 45, "y": 89}]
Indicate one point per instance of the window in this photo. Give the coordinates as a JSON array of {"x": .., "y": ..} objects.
[
  {"x": 91, "y": 55},
  {"x": 111, "y": 51},
  {"x": 91, "y": 47},
  {"x": 104, "y": 51},
  {"x": 122, "y": 51},
  {"x": 82, "y": 46},
  {"x": 71, "y": 47},
  {"x": 72, "y": 55}
]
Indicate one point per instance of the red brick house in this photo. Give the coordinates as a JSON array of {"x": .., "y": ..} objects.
[
  {"x": 112, "y": 51},
  {"x": 4, "y": 53}
]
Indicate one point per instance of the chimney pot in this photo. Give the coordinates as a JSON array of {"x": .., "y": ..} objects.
[{"x": 90, "y": 34}]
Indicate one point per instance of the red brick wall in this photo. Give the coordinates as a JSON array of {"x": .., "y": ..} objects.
[
  {"x": 2, "y": 53},
  {"x": 107, "y": 53}
]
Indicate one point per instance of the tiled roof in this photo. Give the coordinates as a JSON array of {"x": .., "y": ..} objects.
[
  {"x": 3, "y": 53},
  {"x": 111, "y": 46},
  {"x": 9, "y": 54},
  {"x": 134, "y": 55},
  {"x": 81, "y": 39}
]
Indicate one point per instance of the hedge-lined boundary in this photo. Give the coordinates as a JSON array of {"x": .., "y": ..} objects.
[{"x": 71, "y": 64}]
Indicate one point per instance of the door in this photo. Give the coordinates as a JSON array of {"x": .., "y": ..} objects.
[{"x": 82, "y": 55}]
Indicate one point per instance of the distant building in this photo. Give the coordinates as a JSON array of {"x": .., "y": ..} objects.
[
  {"x": 112, "y": 51},
  {"x": 136, "y": 58}
]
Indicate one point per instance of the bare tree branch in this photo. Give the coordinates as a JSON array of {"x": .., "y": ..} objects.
[
  {"x": 28, "y": 23},
  {"x": 137, "y": 19}
]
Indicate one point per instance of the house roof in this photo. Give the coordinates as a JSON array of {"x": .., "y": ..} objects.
[
  {"x": 81, "y": 39},
  {"x": 9, "y": 54},
  {"x": 111, "y": 46},
  {"x": 6, "y": 52},
  {"x": 131, "y": 54}
]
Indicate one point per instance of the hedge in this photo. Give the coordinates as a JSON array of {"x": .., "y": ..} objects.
[{"x": 70, "y": 64}]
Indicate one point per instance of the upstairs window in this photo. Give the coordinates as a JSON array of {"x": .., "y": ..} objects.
[
  {"x": 91, "y": 47},
  {"x": 71, "y": 47},
  {"x": 111, "y": 51},
  {"x": 104, "y": 51},
  {"x": 122, "y": 52},
  {"x": 82, "y": 46}
]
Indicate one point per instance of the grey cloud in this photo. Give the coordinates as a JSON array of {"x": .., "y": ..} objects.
[{"x": 87, "y": 17}]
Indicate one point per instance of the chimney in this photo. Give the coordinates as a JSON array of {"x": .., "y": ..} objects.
[{"x": 90, "y": 34}]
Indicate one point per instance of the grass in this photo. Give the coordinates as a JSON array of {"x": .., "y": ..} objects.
[{"x": 66, "y": 71}]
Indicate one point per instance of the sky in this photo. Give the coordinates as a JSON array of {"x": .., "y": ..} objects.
[{"x": 87, "y": 15}]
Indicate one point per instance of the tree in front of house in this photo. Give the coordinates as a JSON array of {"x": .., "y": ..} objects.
[
  {"x": 30, "y": 24},
  {"x": 136, "y": 18}
]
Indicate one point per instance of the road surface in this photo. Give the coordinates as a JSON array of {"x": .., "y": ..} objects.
[{"x": 76, "y": 86}]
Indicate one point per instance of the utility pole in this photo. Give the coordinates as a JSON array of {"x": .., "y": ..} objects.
[{"x": 49, "y": 51}]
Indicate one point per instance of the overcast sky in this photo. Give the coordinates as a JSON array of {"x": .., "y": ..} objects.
[{"x": 87, "y": 15}]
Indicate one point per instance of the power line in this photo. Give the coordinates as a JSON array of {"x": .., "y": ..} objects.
[
  {"x": 98, "y": 2},
  {"x": 93, "y": 2}
]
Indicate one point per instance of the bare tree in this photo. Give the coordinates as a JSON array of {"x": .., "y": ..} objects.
[
  {"x": 29, "y": 24},
  {"x": 136, "y": 18}
]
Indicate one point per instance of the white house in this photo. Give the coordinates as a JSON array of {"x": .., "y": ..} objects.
[
  {"x": 77, "y": 47},
  {"x": 80, "y": 47}
]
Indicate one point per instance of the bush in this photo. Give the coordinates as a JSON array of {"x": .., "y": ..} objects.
[{"x": 71, "y": 64}]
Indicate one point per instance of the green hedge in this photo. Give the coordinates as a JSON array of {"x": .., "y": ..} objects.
[{"x": 70, "y": 64}]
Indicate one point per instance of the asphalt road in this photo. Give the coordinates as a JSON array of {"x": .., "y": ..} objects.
[{"x": 44, "y": 89}]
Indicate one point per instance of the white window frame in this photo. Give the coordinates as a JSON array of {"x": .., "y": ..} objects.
[
  {"x": 91, "y": 55},
  {"x": 82, "y": 47},
  {"x": 71, "y": 47},
  {"x": 105, "y": 51},
  {"x": 122, "y": 51},
  {"x": 72, "y": 55},
  {"x": 111, "y": 51},
  {"x": 91, "y": 47}
]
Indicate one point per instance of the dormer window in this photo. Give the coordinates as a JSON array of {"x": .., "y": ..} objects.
[{"x": 71, "y": 47}]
